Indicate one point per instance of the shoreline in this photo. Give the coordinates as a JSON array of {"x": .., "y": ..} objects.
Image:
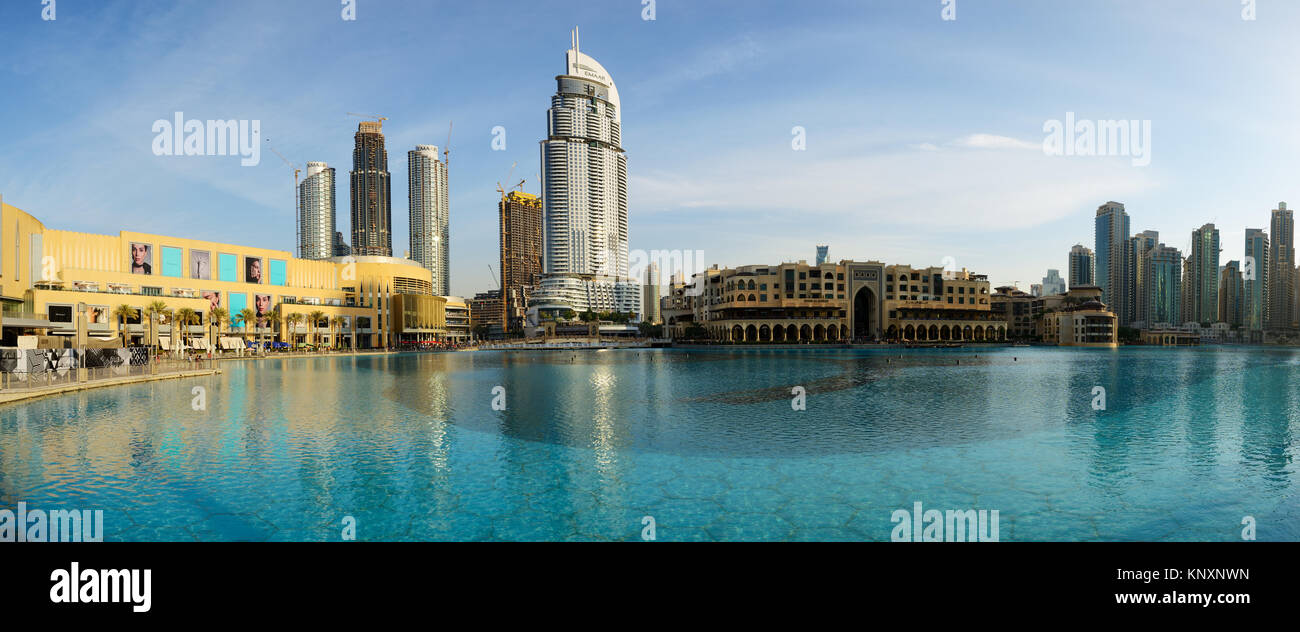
[{"x": 27, "y": 395}]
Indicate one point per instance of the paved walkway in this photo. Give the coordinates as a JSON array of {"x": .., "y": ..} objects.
[{"x": 26, "y": 394}]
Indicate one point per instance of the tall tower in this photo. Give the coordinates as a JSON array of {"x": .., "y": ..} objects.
[
  {"x": 584, "y": 199},
  {"x": 427, "y": 191},
  {"x": 1080, "y": 268},
  {"x": 372, "y": 208},
  {"x": 317, "y": 212},
  {"x": 1204, "y": 284},
  {"x": 521, "y": 254},
  {"x": 1281, "y": 269},
  {"x": 1113, "y": 264},
  {"x": 1255, "y": 280},
  {"x": 1141, "y": 244},
  {"x": 1230, "y": 294},
  {"x": 650, "y": 294},
  {"x": 823, "y": 253},
  {"x": 1162, "y": 286}
]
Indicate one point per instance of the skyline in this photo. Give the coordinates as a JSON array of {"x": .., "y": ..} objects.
[{"x": 889, "y": 171}]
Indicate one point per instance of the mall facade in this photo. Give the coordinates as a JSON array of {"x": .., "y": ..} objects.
[{"x": 55, "y": 282}]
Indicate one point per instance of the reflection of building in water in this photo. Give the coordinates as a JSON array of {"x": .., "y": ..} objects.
[{"x": 47, "y": 276}]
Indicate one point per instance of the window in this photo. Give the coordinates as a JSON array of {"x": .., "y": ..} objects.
[{"x": 151, "y": 291}]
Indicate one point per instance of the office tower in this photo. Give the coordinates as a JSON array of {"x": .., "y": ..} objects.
[
  {"x": 316, "y": 212},
  {"x": 521, "y": 253},
  {"x": 1281, "y": 269},
  {"x": 1231, "y": 289},
  {"x": 1255, "y": 280},
  {"x": 427, "y": 192},
  {"x": 1053, "y": 284},
  {"x": 1162, "y": 286},
  {"x": 650, "y": 294},
  {"x": 1036, "y": 289},
  {"x": 584, "y": 200},
  {"x": 341, "y": 248},
  {"x": 1204, "y": 269},
  {"x": 1113, "y": 261},
  {"x": 822, "y": 253},
  {"x": 1081, "y": 265},
  {"x": 372, "y": 221},
  {"x": 1140, "y": 245}
]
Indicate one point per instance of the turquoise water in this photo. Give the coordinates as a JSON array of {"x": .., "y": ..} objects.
[{"x": 705, "y": 442}]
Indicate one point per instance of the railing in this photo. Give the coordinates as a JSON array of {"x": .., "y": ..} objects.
[{"x": 69, "y": 376}]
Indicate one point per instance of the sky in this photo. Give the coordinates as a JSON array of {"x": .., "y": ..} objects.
[{"x": 922, "y": 137}]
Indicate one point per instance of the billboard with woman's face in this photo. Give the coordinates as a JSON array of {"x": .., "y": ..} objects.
[
  {"x": 212, "y": 295},
  {"x": 141, "y": 258},
  {"x": 262, "y": 306},
  {"x": 200, "y": 265},
  {"x": 253, "y": 270},
  {"x": 97, "y": 314}
]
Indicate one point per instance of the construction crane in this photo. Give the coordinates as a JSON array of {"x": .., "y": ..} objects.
[
  {"x": 446, "y": 148},
  {"x": 297, "y": 217},
  {"x": 381, "y": 119},
  {"x": 494, "y": 277},
  {"x": 504, "y": 191}
]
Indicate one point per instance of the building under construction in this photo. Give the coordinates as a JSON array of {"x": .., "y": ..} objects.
[
  {"x": 372, "y": 207},
  {"x": 521, "y": 254}
]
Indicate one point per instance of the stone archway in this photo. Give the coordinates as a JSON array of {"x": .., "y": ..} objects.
[
  {"x": 864, "y": 310},
  {"x": 751, "y": 334},
  {"x": 765, "y": 334}
]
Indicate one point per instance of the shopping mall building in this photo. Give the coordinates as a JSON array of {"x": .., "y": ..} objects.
[{"x": 50, "y": 280}]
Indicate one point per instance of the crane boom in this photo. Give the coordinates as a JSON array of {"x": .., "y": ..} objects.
[{"x": 297, "y": 217}]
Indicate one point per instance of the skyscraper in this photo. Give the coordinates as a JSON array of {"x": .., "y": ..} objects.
[
  {"x": 584, "y": 200},
  {"x": 1053, "y": 284},
  {"x": 650, "y": 294},
  {"x": 372, "y": 208},
  {"x": 1162, "y": 286},
  {"x": 822, "y": 253},
  {"x": 316, "y": 212},
  {"x": 1255, "y": 280},
  {"x": 1281, "y": 269},
  {"x": 1140, "y": 245},
  {"x": 1080, "y": 268},
  {"x": 1204, "y": 282},
  {"x": 427, "y": 191},
  {"x": 1114, "y": 259},
  {"x": 1231, "y": 289},
  {"x": 521, "y": 253}
]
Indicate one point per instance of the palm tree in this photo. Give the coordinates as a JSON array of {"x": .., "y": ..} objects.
[
  {"x": 293, "y": 321},
  {"x": 153, "y": 311},
  {"x": 315, "y": 317},
  {"x": 247, "y": 317},
  {"x": 184, "y": 318},
  {"x": 218, "y": 315},
  {"x": 123, "y": 313}
]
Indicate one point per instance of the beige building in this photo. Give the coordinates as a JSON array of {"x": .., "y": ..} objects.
[
  {"x": 937, "y": 305},
  {"x": 785, "y": 303},
  {"x": 1078, "y": 318},
  {"x": 51, "y": 279}
]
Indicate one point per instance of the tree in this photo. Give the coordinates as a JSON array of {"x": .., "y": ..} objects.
[
  {"x": 124, "y": 313},
  {"x": 695, "y": 331},
  {"x": 481, "y": 331},
  {"x": 153, "y": 311},
  {"x": 293, "y": 320},
  {"x": 217, "y": 316},
  {"x": 247, "y": 317},
  {"x": 315, "y": 317},
  {"x": 184, "y": 318}
]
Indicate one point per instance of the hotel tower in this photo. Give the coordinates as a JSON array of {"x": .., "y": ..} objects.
[
  {"x": 584, "y": 196},
  {"x": 316, "y": 212},
  {"x": 430, "y": 239}
]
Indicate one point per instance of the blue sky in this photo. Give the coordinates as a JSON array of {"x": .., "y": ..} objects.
[{"x": 923, "y": 135}]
